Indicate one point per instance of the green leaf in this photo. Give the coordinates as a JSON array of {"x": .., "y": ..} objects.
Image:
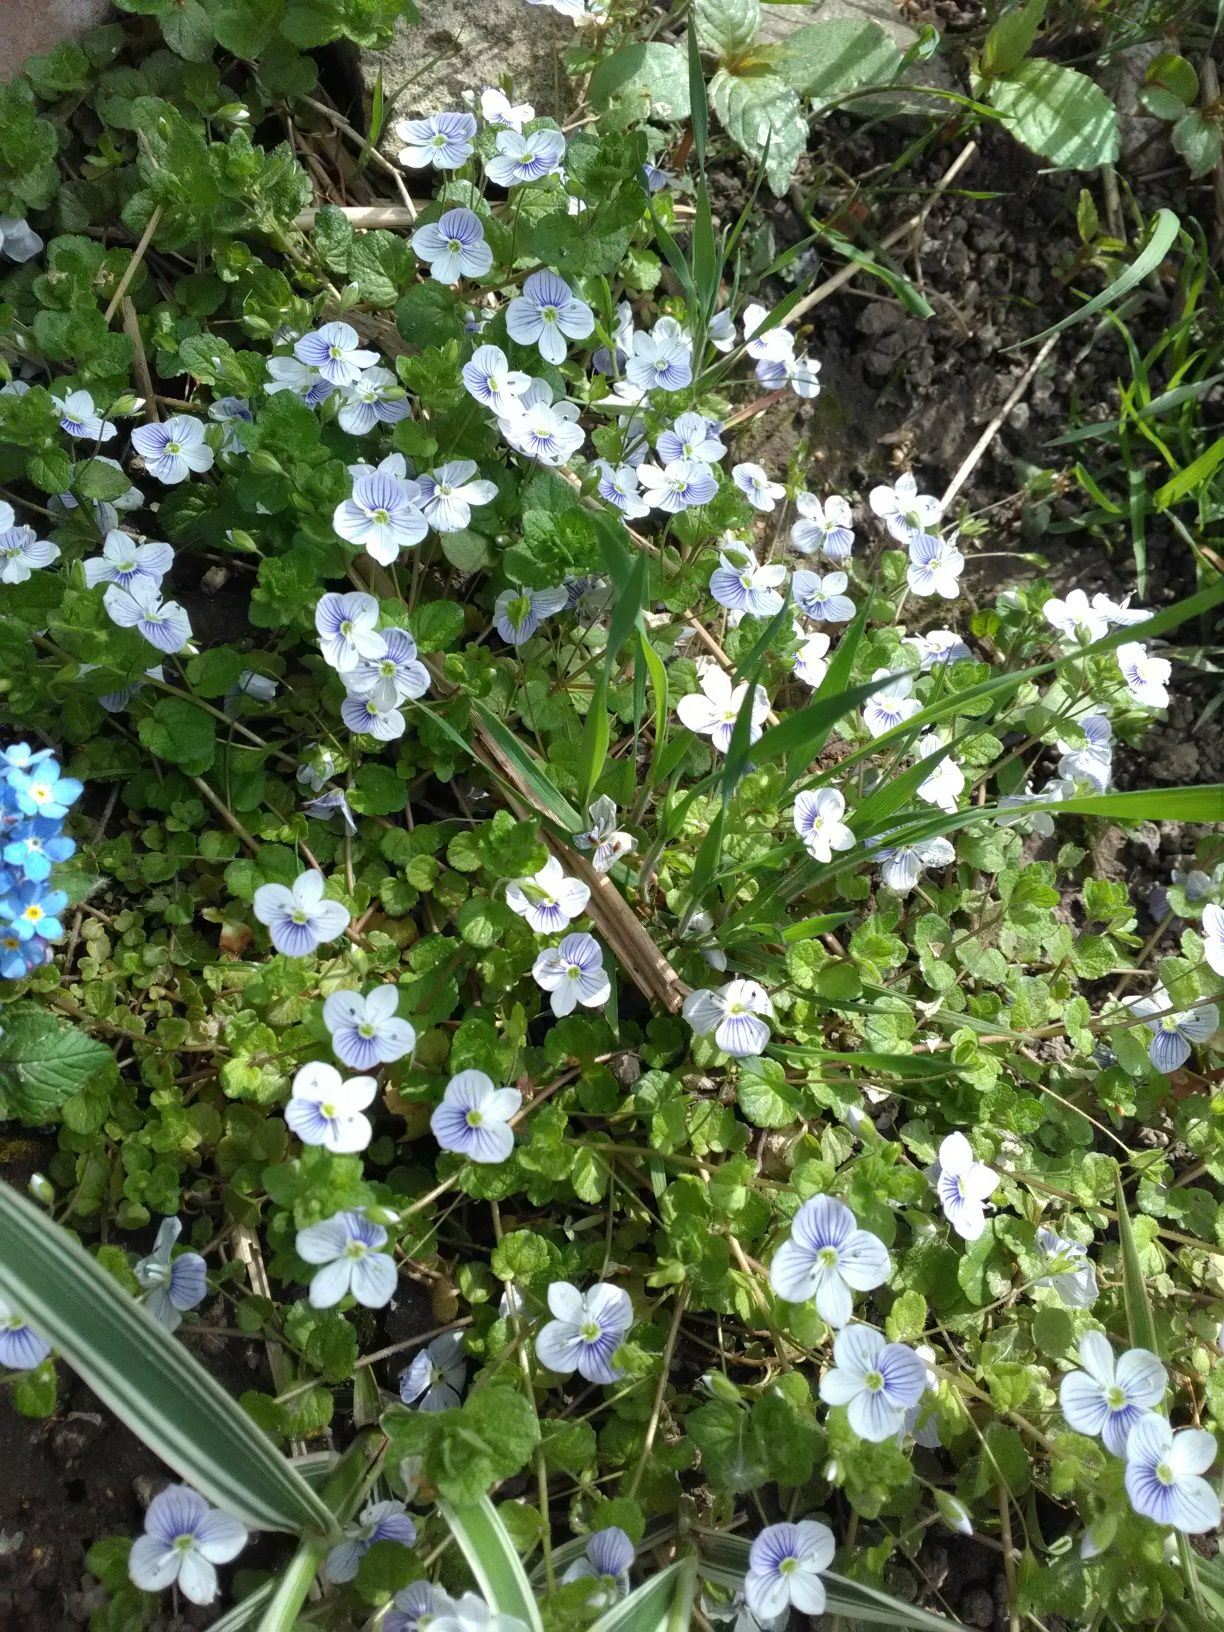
[
  {"x": 44, "y": 1061},
  {"x": 826, "y": 59},
  {"x": 765, "y": 118},
  {"x": 1197, "y": 138},
  {"x": 726, "y": 26},
  {"x": 146, "y": 1377},
  {"x": 1175, "y": 75},
  {"x": 1193, "y": 478},
  {"x": 661, "y": 1604},
  {"x": 1057, "y": 112},
  {"x": 180, "y": 733},
  {"x": 642, "y": 82},
  {"x": 1008, "y": 42},
  {"x": 493, "y": 1560}
]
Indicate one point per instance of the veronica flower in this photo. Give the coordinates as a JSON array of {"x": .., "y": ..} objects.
[
  {"x": 607, "y": 1561},
  {"x": 573, "y": 973},
  {"x": 333, "y": 350},
  {"x": 230, "y": 411},
  {"x": 1109, "y": 1397},
  {"x": 124, "y": 562},
  {"x": 1073, "y": 1275},
  {"x": 680, "y": 485},
  {"x": 938, "y": 646},
  {"x": 497, "y": 108},
  {"x": 18, "y": 240},
  {"x": 520, "y": 159},
  {"x": 963, "y": 1185},
  {"x": 435, "y": 1379},
  {"x": 368, "y": 717},
  {"x": 442, "y": 140},
  {"x": 602, "y": 836},
  {"x": 318, "y": 768},
  {"x": 384, "y": 515},
  {"x": 367, "y": 402},
  {"x": 618, "y": 486},
  {"x": 260, "y": 688},
  {"x": 31, "y": 910},
  {"x": 822, "y": 597},
  {"x": 660, "y": 361},
  {"x": 906, "y": 513},
  {"x": 713, "y": 711},
  {"x": 818, "y": 822},
  {"x": 827, "y": 1258},
  {"x": 784, "y": 1567},
  {"x": 184, "y": 1539},
  {"x": 543, "y": 431},
  {"x": 395, "y": 677},
  {"x": 796, "y": 369},
  {"x": 1119, "y": 614},
  {"x": 39, "y": 785},
  {"x": 345, "y": 625},
  {"x": 21, "y": 552},
  {"x": 307, "y": 384},
  {"x": 935, "y": 566},
  {"x": 474, "y": 1117},
  {"x": 1174, "y": 1035},
  {"x": 417, "y": 1606},
  {"x": 877, "y": 1381},
  {"x": 163, "y": 624},
  {"x": 365, "y": 1031},
  {"x": 548, "y": 900},
  {"x": 1146, "y": 676},
  {"x": 1164, "y": 1475},
  {"x": 326, "y": 1110},
  {"x": 489, "y": 378},
  {"x": 174, "y": 449},
  {"x": 808, "y": 663},
  {"x": 80, "y": 418},
  {"x": 756, "y": 486},
  {"x": 823, "y": 528},
  {"x": 518, "y": 613},
  {"x": 21, "y": 1348},
  {"x": 299, "y": 919},
  {"x": 454, "y": 246},
  {"x": 734, "y": 1015},
  {"x": 379, "y": 1521},
  {"x": 347, "y": 1246},
  {"x": 449, "y": 493},
  {"x": 586, "y": 1331},
  {"x": 1090, "y": 761},
  {"x": 944, "y": 786},
  {"x": 887, "y": 708},
  {"x": 742, "y": 584},
  {"x": 173, "y": 1285},
  {"x": 546, "y": 313},
  {"x": 331, "y": 803},
  {"x": 1075, "y": 618},
  {"x": 770, "y": 347},
  {"x": 1213, "y": 937},
  {"x": 721, "y": 332},
  {"x": 39, "y": 844},
  {"x": 905, "y": 864},
  {"x": 691, "y": 436}
]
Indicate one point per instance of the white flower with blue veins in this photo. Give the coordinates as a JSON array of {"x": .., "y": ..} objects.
[
  {"x": 1110, "y": 1395},
  {"x": 164, "y": 624},
  {"x": 905, "y": 512},
  {"x": 572, "y": 973},
  {"x": 822, "y": 597},
  {"x": 435, "y": 1380},
  {"x": 184, "y": 1540},
  {"x": 378, "y": 1521},
  {"x": 1091, "y": 760},
  {"x": 1072, "y": 1274},
  {"x": 449, "y": 494},
  {"x": 741, "y": 583},
  {"x": 366, "y": 716},
  {"x": 904, "y": 864},
  {"x": 395, "y": 677},
  {"x": 346, "y": 629},
  {"x": 18, "y": 240},
  {"x": 680, "y": 485},
  {"x": 935, "y": 567},
  {"x": 796, "y": 369},
  {"x": 938, "y": 646},
  {"x": 543, "y": 431},
  {"x": 767, "y": 346},
  {"x": 173, "y": 450},
  {"x": 125, "y": 561},
  {"x": 546, "y": 314},
  {"x": 548, "y": 900},
  {"x": 824, "y": 527},
  {"x": 1146, "y": 676},
  {"x": 736, "y": 1015},
  {"x": 21, "y": 1348},
  {"x": 231, "y": 412},
  {"x": 334, "y": 351},
  {"x": 443, "y": 141},
  {"x": 827, "y": 1258},
  {"x": 375, "y": 399},
  {"x": 80, "y": 418},
  {"x": 325, "y": 1109},
  {"x": 606, "y": 1563},
  {"x": 298, "y": 918},
  {"x": 754, "y": 483},
  {"x": 172, "y": 1285},
  {"x": 878, "y": 1382},
  {"x": 662, "y": 360},
  {"x": 348, "y": 1247},
  {"x": 944, "y": 786},
  {"x": 416, "y": 1607},
  {"x": 603, "y": 837},
  {"x": 721, "y": 332},
  {"x": 892, "y": 704},
  {"x": 691, "y": 436},
  {"x": 1076, "y": 619},
  {"x": 307, "y": 384},
  {"x": 818, "y": 822},
  {"x": 1213, "y": 937},
  {"x": 1164, "y": 1475},
  {"x": 619, "y": 487},
  {"x": 489, "y": 378},
  {"x": 785, "y": 1564},
  {"x": 521, "y": 159},
  {"x": 713, "y": 711},
  {"x": 22, "y": 552},
  {"x": 497, "y": 109},
  {"x": 963, "y": 1185},
  {"x": 365, "y": 1031},
  {"x": 1175, "y": 1032},
  {"x": 586, "y": 1330},
  {"x": 453, "y": 246},
  {"x": 384, "y": 515},
  {"x": 474, "y": 1118}
]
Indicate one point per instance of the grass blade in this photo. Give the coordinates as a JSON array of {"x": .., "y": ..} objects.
[
  {"x": 493, "y": 1560},
  {"x": 148, "y": 1380},
  {"x": 1139, "y": 1320},
  {"x": 1163, "y": 231},
  {"x": 658, "y": 1605}
]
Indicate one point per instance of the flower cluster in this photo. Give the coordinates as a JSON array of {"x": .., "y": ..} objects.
[{"x": 35, "y": 797}]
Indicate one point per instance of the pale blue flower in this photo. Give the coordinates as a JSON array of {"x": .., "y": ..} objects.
[
  {"x": 586, "y": 1331},
  {"x": 369, "y": 717},
  {"x": 680, "y": 485},
  {"x": 23, "y": 552},
  {"x": 31, "y": 910},
  {"x": 963, "y": 1185},
  {"x": 877, "y": 1381},
  {"x": 80, "y": 418},
  {"x": 307, "y": 384},
  {"x": 333, "y": 351},
  {"x": 18, "y": 240},
  {"x": 741, "y": 583},
  {"x": 542, "y": 430},
  {"x": 886, "y": 708},
  {"x": 521, "y": 159},
  {"x": 38, "y": 846},
  {"x": 755, "y": 485},
  {"x": 448, "y": 495},
  {"x": 173, "y": 1284},
  {"x": 655, "y": 178},
  {"x": 395, "y": 677},
  {"x": 453, "y": 246},
  {"x": 374, "y": 399},
  {"x": 230, "y": 411},
  {"x": 414, "y": 1607},
  {"x": 473, "y": 1119},
  {"x": 40, "y": 786},
  {"x": 174, "y": 449},
  {"x": 784, "y": 1569},
  {"x": 935, "y": 567},
  {"x": 607, "y": 1561},
  {"x": 326, "y": 1110},
  {"x": 299, "y": 919},
  {"x": 906, "y": 513},
  {"x": 365, "y": 1031},
  {"x": 1090, "y": 761},
  {"x": 347, "y": 1246},
  {"x": 737, "y": 1016},
  {"x": 827, "y": 1258},
  {"x": 435, "y": 1379},
  {"x": 818, "y": 822},
  {"x": 21, "y": 1348},
  {"x": 184, "y": 1539},
  {"x": 661, "y": 361},
  {"x": 573, "y": 973},
  {"x": 518, "y": 613},
  {"x": 822, "y": 597},
  {"x": 384, "y": 516},
  {"x": 489, "y": 378},
  {"x": 1075, "y": 1279},
  {"x": 442, "y": 140},
  {"x": 125, "y": 562},
  {"x": 1164, "y": 1475},
  {"x": 691, "y": 436},
  {"x": 546, "y": 313},
  {"x": 548, "y": 900},
  {"x": 331, "y": 803},
  {"x": 345, "y": 624},
  {"x": 1108, "y": 1397},
  {"x": 824, "y": 528},
  {"x": 618, "y": 486},
  {"x": 792, "y": 368},
  {"x": 603, "y": 837},
  {"x": 379, "y": 1521},
  {"x": 164, "y": 624},
  {"x": 1175, "y": 1034}
]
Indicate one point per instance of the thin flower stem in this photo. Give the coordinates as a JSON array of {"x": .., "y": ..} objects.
[{"x": 656, "y": 1410}]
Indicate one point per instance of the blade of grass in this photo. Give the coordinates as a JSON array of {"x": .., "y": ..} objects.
[
  {"x": 659, "y": 1605},
  {"x": 493, "y": 1560},
  {"x": 1163, "y": 231}
]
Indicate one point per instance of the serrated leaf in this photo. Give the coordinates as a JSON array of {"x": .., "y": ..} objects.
[
  {"x": 726, "y": 26},
  {"x": 44, "y": 1061},
  {"x": 1057, "y": 112},
  {"x": 764, "y": 117},
  {"x": 643, "y": 82},
  {"x": 826, "y": 59}
]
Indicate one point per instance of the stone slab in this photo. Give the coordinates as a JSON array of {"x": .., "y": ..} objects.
[{"x": 34, "y": 27}]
